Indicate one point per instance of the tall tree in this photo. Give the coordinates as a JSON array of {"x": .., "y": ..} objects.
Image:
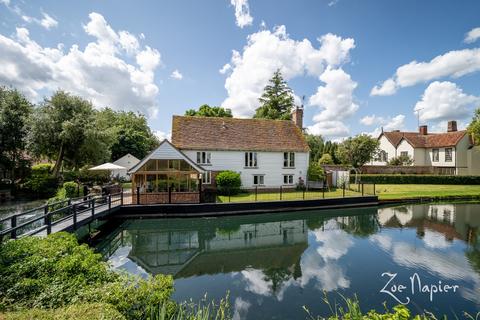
[
  {"x": 474, "y": 127},
  {"x": 208, "y": 111},
  {"x": 316, "y": 144},
  {"x": 130, "y": 132},
  {"x": 65, "y": 128},
  {"x": 15, "y": 111},
  {"x": 276, "y": 101},
  {"x": 357, "y": 151}
]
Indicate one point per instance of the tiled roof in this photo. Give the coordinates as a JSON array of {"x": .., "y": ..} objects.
[
  {"x": 431, "y": 140},
  {"x": 209, "y": 133}
]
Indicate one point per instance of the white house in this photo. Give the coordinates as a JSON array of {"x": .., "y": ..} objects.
[
  {"x": 450, "y": 152},
  {"x": 266, "y": 153},
  {"x": 127, "y": 161}
]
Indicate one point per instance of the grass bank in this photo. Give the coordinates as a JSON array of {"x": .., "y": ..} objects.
[{"x": 408, "y": 191}]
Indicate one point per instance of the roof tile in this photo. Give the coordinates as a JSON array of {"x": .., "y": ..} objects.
[
  {"x": 210, "y": 133},
  {"x": 431, "y": 140}
]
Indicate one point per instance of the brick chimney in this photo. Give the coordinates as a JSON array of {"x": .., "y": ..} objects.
[
  {"x": 423, "y": 130},
  {"x": 297, "y": 117},
  {"x": 452, "y": 126}
]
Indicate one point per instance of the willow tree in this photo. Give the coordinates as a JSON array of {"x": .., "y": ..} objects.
[{"x": 64, "y": 128}]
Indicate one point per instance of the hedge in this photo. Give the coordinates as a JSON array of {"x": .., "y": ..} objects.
[{"x": 416, "y": 179}]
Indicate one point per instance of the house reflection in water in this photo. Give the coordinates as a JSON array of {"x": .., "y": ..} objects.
[
  {"x": 453, "y": 221},
  {"x": 184, "y": 253}
]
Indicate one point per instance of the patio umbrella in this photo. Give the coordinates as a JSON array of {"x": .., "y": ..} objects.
[{"x": 107, "y": 166}]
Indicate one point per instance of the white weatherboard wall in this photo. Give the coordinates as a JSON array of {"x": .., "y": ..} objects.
[
  {"x": 386, "y": 146},
  {"x": 128, "y": 161},
  {"x": 270, "y": 165}
]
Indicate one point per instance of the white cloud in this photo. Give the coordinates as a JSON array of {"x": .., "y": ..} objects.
[
  {"x": 226, "y": 67},
  {"x": 267, "y": 51},
  {"x": 98, "y": 73},
  {"x": 388, "y": 124},
  {"x": 451, "y": 64},
  {"x": 5, "y": 2},
  {"x": 240, "y": 308},
  {"x": 336, "y": 102},
  {"x": 176, "y": 75},
  {"x": 472, "y": 36},
  {"x": 444, "y": 101},
  {"x": 48, "y": 22},
  {"x": 242, "y": 13},
  {"x": 162, "y": 135}
]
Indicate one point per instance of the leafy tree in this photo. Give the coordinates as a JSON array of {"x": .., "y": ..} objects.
[
  {"x": 207, "y": 111},
  {"x": 474, "y": 127},
  {"x": 64, "y": 128},
  {"x": 401, "y": 160},
  {"x": 326, "y": 159},
  {"x": 316, "y": 144},
  {"x": 228, "y": 182},
  {"x": 277, "y": 99},
  {"x": 357, "y": 151},
  {"x": 129, "y": 131},
  {"x": 15, "y": 111}
]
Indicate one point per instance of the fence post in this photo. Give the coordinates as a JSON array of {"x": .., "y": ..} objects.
[
  {"x": 323, "y": 191},
  {"x": 47, "y": 219},
  {"x": 374, "y": 193},
  {"x": 229, "y": 195},
  {"x": 121, "y": 198},
  {"x": 13, "y": 224},
  {"x": 74, "y": 208},
  {"x": 303, "y": 191},
  {"x": 109, "y": 202},
  {"x": 256, "y": 193},
  {"x": 280, "y": 192},
  {"x": 362, "y": 189},
  {"x": 92, "y": 202},
  {"x": 138, "y": 195},
  {"x": 344, "y": 184},
  {"x": 169, "y": 194}
]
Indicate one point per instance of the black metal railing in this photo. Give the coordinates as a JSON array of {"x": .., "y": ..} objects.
[{"x": 45, "y": 218}]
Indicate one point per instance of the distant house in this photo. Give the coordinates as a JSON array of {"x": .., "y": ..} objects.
[
  {"x": 127, "y": 161},
  {"x": 266, "y": 153},
  {"x": 450, "y": 152}
]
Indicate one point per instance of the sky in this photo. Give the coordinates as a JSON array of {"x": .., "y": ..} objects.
[{"x": 356, "y": 66}]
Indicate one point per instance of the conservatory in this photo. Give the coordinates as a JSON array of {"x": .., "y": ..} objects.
[{"x": 166, "y": 176}]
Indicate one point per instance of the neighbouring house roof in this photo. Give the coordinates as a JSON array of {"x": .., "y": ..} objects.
[
  {"x": 127, "y": 161},
  {"x": 208, "y": 133},
  {"x": 431, "y": 140},
  {"x": 166, "y": 151}
]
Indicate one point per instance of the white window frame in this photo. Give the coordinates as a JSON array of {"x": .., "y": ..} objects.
[
  {"x": 259, "y": 177},
  {"x": 204, "y": 157},
  {"x": 207, "y": 177},
  {"x": 402, "y": 153},
  {"x": 436, "y": 152},
  {"x": 289, "y": 159},
  {"x": 251, "y": 160},
  {"x": 451, "y": 155},
  {"x": 289, "y": 179}
]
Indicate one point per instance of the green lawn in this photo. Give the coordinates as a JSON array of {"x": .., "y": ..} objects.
[
  {"x": 383, "y": 191},
  {"x": 286, "y": 195},
  {"x": 403, "y": 191}
]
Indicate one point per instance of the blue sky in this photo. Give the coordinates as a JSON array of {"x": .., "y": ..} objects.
[{"x": 163, "y": 57}]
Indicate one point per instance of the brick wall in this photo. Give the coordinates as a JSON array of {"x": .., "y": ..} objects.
[{"x": 162, "y": 197}]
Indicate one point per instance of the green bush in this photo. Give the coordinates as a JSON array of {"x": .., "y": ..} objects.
[
  {"x": 40, "y": 181},
  {"x": 315, "y": 172},
  {"x": 91, "y": 177},
  {"x": 72, "y": 189},
  {"x": 417, "y": 179},
  {"x": 56, "y": 271},
  {"x": 228, "y": 182}
]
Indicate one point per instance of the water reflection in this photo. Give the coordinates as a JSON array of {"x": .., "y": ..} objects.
[{"x": 275, "y": 264}]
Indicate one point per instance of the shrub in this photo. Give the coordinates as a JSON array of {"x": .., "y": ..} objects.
[
  {"x": 315, "y": 172},
  {"x": 92, "y": 177},
  {"x": 417, "y": 179},
  {"x": 71, "y": 189},
  {"x": 40, "y": 181},
  {"x": 402, "y": 160},
  {"x": 56, "y": 271},
  {"x": 228, "y": 182}
]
